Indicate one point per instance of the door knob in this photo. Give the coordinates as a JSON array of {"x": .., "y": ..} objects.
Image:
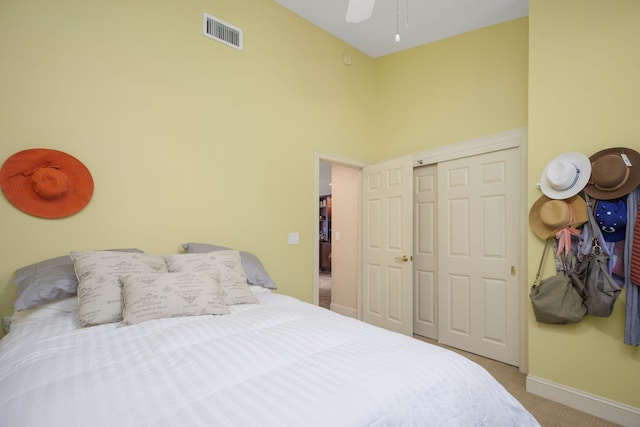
[{"x": 403, "y": 258}]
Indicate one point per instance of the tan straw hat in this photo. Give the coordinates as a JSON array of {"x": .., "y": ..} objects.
[
  {"x": 615, "y": 172},
  {"x": 46, "y": 183},
  {"x": 550, "y": 215}
]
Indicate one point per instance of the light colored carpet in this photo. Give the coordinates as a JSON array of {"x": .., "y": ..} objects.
[
  {"x": 547, "y": 412},
  {"x": 324, "y": 290}
]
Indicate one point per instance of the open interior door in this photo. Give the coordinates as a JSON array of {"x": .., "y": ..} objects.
[{"x": 387, "y": 288}]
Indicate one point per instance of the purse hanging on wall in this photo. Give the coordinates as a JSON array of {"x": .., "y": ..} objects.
[
  {"x": 559, "y": 298},
  {"x": 602, "y": 290}
]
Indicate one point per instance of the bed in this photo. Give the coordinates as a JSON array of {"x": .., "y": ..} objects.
[{"x": 276, "y": 361}]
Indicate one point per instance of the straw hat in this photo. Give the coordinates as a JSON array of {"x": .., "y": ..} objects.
[
  {"x": 46, "y": 183},
  {"x": 615, "y": 172},
  {"x": 550, "y": 215},
  {"x": 565, "y": 176}
]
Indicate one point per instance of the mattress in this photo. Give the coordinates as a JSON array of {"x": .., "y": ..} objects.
[{"x": 281, "y": 362}]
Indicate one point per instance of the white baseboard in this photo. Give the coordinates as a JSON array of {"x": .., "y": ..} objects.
[
  {"x": 345, "y": 311},
  {"x": 609, "y": 410}
]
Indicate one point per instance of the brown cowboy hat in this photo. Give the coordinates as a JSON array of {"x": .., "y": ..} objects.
[
  {"x": 46, "y": 183},
  {"x": 550, "y": 215},
  {"x": 615, "y": 172}
]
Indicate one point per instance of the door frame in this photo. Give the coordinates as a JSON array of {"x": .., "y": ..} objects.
[
  {"x": 516, "y": 138},
  {"x": 344, "y": 161}
]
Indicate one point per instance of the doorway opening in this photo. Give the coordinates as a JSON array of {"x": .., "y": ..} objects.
[
  {"x": 324, "y": 235},
  {"x": 337, "y": 211}
]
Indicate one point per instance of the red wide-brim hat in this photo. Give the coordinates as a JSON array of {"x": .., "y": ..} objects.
[{"x": 46, "y": 183}]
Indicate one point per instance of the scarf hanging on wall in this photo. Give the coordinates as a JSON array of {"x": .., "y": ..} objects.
[
  {"x": 632, "y": 319},
  {"x": 634, "y": 273}
]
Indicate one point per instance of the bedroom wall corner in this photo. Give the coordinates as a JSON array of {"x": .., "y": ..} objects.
[
  {"x": 583, "y": 96},
  {"x": 453, "y": 90}
]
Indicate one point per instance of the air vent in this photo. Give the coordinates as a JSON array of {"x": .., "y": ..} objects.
[{"x": 221, "y": 31}]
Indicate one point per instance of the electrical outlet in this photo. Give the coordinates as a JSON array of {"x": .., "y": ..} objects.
[{"x": 294, "y": 238}]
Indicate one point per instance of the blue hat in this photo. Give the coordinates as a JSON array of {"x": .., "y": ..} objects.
[{"x": 611, "y": 217}]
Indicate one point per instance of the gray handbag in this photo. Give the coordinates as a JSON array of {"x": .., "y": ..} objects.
[
  {"x": 602, "y": 291},
  {"x": 559, "y": 298}
]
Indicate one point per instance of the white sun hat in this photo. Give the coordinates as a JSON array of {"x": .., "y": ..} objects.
[{"x": 565, "y": 176}]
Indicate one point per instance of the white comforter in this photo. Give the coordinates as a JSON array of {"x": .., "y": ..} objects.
[{"x": 278, "y": 363}]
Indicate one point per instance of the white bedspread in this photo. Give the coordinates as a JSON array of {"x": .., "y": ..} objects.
[{"x": 278, "y": 363}]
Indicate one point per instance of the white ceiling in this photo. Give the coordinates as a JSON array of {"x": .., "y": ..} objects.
[{"x": 426, "y": 21}]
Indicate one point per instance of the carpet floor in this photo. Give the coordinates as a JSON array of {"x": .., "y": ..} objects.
[{"x": 324, "y": 290}]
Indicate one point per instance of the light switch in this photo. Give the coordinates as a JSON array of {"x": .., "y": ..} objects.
[
  {"x": 337, "y": 235},
  {"x": 294, "y": 238}
]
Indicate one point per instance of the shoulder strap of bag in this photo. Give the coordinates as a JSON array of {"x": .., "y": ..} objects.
[
  {"x": 578, "y": 284},
  {"x": 544, "y": 251},
  {"x": 596, "y": 234}
]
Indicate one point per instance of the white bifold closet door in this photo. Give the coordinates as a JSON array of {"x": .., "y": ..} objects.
[
  {"x": 478, "y": 254},
  {"x": 425, "y": 251},
  {"x": 464, "y": 287}
]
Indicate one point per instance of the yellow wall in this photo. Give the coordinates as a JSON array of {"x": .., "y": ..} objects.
[
  {"x": 453, "y": 90},
  {"x": 187, "y": 139},
  {"x": 584, "y": 96}
]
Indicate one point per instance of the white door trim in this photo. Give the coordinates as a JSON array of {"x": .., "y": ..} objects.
[
  {"x": 495, "y": 142},
  {"x": 318, "y": 157},
  {"x": 486, "y": 144}
]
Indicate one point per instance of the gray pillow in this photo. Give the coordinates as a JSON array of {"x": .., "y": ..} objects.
[
  {"x": 47, "y": 281},
  {"x": 253, "y": 268}
]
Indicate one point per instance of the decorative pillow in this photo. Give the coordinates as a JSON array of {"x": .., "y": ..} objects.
[
  {"x": 233, "y": 281},
  {"x": 99, "y": 287},
  {"x": 47, "y": 281},
  {"x": 156, "y": 296},
  {"x": 253, "y": 268}
]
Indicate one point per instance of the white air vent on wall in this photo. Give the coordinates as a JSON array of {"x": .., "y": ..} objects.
[{"x": 221, "y": 31}]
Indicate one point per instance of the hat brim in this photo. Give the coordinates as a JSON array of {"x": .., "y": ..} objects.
[
  {"x": 16, "y": 184},
  {"x": 542, "y": 230},
  {"x": 632, "y": 182},
  {"x": 583, "y": 164}
]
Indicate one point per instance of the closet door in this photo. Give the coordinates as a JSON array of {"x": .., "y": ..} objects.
[
  {"x": 478, "y": 254},
  {"x": 425, "y": 259}
]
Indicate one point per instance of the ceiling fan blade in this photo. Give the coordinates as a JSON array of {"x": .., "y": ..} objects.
[{"x": 359, "y": 10}]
